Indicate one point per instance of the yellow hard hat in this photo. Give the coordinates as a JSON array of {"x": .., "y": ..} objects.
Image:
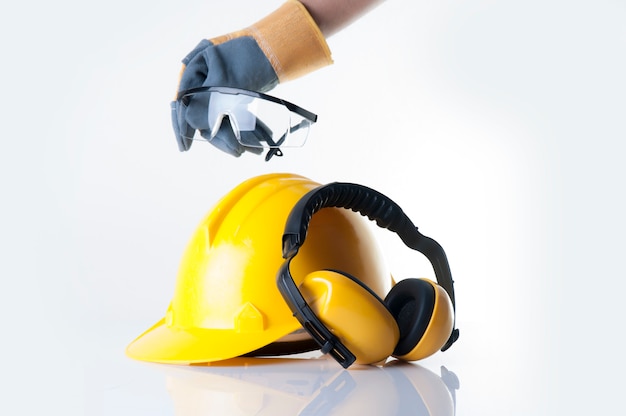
[{"x": 226, "y": 302}]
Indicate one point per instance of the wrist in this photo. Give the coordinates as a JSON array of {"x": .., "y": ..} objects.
[{"x": 290, "y": 39}]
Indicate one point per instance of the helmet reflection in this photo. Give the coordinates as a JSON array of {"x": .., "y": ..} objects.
[{"x": 315, "y": 386}]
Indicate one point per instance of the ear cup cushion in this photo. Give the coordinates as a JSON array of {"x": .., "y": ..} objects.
[
  {"x": 411, "y": 302},
  {"x": 352, "y": 312}
]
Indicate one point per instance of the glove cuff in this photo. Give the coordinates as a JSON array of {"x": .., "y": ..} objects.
[{"x": 290, "y": 39}]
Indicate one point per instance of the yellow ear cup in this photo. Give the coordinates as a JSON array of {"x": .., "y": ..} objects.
[
  {"x": 354, "y": 314},
  {"x": 425, "y": 316}
]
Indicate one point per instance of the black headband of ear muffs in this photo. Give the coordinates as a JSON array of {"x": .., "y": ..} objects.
[{"x": 377, "y": 207}]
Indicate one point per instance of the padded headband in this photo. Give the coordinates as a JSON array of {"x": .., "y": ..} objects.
[{"x": 377, "y": 207}]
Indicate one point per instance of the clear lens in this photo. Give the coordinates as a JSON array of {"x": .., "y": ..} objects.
[{"x": 255, "y": 122}]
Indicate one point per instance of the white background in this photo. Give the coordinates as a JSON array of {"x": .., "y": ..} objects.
[{"x": 497, "y": 126}]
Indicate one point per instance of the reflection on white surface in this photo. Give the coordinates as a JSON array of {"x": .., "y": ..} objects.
[{"x": 315, "y": 386}]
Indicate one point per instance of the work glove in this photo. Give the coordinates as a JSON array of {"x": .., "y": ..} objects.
[{"x": 283, "y": 46}]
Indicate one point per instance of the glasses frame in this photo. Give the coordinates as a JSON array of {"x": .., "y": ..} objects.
[
  {"x": 312, "y": 117},
  {"x": 273, "y": 151}
]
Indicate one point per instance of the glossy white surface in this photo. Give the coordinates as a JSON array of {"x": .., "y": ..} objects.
[{"x": 497, "y": 126}]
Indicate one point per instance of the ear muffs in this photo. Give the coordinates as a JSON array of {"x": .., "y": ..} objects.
[
  {"x": 354, "y": 313},
  {"x": 425, "y": 316},
  {"x": 342, "y": 315},
  {"x": 412, "y": 323}
]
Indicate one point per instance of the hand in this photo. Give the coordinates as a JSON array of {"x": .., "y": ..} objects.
[
  {"x": 283, "y": 46},
  {"x": 238, "y": 62}
]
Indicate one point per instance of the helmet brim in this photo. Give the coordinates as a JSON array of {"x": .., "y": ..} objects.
[{"x": 172, "y": 345}]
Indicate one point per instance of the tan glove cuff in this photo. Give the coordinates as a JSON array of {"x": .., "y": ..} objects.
[{"x": 290, "y": 39}]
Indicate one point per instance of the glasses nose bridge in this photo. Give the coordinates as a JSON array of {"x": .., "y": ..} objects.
[{"x": 232, "y": 122}]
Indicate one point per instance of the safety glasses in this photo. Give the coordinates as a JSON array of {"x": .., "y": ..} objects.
[{"x": 255, "y": 120}]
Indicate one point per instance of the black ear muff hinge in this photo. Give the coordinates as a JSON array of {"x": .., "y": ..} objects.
[
  {"x": 291, "y": 245},
  {"x": 453, "y": 337}
]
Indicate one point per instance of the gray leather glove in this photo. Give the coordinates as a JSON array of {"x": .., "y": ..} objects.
[{"x": 283, "y": 46}]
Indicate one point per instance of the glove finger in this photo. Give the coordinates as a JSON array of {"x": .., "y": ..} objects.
[
  {"x": 196, "y": 67},
  {"x": 263, "y": 132},
  {"x": 202, "y": 45},
  {"x": 250, "y": 142},
  {"x": 225, "y": 139},
  {"x": 183, "y": 131},
  {"x": 196, "y": 112},
  {"x": 253, "y": 140}
]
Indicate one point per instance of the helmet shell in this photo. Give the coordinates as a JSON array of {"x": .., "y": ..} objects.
[{"x": 226, "y": 302}]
